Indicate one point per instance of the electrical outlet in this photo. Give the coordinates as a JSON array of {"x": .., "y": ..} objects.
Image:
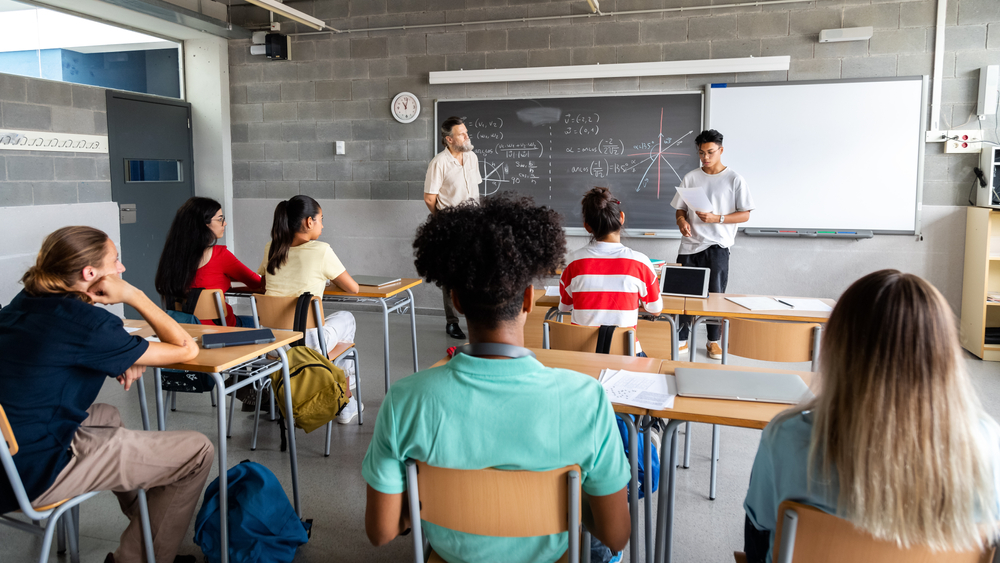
[{"x": 964, "y": 140}]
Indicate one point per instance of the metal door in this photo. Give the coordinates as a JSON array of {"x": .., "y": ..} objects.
[{"x": 152, "y": 174}]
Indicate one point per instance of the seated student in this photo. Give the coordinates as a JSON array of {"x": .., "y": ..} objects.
[
  {"x": 507, "y": 411},
  {"x": 896, "y": 441},
  {"x": 605, "y": 281},
  {"x": 296, "y": 262},
  {"x": 191, "y": 258},
  {"x": 62, "y": 350}
]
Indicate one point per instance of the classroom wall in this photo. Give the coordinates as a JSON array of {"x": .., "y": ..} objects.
[{"x": 287, "y": 114}]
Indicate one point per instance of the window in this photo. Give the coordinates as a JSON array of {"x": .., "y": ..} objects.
[{"x": 152, "y": 171}]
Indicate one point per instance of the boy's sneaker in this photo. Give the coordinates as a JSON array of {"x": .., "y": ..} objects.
[
  {"x": 617, "y": 558},
  {"x": 714, "y": 350},
  {"x": 349, "y": 412}
]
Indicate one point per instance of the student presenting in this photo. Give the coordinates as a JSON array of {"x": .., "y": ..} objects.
[{"x": 708, "y": 235}]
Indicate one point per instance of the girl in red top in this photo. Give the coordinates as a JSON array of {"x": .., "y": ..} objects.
[{"x": 191, "y": 258}]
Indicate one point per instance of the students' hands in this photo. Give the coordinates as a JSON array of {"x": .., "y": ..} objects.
[
  {"x": 684, "y": 226},
  {"x": 131, "y": 374},
  {"x": 708, "y": 216},
  {"x": 111, "y": 289}
]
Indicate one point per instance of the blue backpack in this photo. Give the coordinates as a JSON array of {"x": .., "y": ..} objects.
[
  {"x": 623, "y": 430},
  {"x": 263, "y": 526}
]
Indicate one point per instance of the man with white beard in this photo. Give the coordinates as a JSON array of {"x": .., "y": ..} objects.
[{"x": 452, "y": 178}]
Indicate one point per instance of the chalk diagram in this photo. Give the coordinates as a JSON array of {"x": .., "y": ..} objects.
[
  {"x": 657, "y": 155},
  {"x": 496, "y": 174}
]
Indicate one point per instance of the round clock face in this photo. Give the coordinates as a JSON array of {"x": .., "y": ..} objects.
[{"x": 405, "y": 107}]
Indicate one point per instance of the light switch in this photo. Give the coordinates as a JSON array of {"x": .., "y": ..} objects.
[{"x": 341, "y": 148}]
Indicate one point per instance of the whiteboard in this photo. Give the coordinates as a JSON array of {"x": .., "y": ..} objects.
[{"x": 826, "y": 155}]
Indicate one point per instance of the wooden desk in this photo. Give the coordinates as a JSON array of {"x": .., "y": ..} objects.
[
  {"x": 743, "y": 414},
  {"x": 592, "y": 364},
  {"x": 392, "y": 297},
  {"x": 216, "y": 360}
]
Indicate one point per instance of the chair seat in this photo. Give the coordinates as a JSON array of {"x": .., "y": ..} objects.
[
  {"x": 50, "y": 506},
  {"x": 339, "y": 349},
  {"x": 435, "y": 558}
]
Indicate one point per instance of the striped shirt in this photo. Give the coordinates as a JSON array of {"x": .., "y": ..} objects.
[{"x": 604, "y": 283}]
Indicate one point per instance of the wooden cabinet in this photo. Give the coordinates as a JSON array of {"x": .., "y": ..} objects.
[{"x": 982, "y": 276}]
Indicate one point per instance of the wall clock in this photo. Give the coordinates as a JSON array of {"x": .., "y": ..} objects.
[{"x": 405, "y": 107}]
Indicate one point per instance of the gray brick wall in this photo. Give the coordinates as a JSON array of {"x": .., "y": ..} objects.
[
  {"x": 287, "y": 115},
  {"x": 44, "y": 178}
]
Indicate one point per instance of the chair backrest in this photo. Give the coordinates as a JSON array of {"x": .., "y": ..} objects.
[
  {"x": 210, "y": 306},
  {"x": 493, "y": 502},
  {"x": 8, "y": 432},
  {"x": 772, "y": 341},
  {"x": 807, "y": 534},
  {"x": 279, "y": 313},
  {"x": 576, "y": 338}
]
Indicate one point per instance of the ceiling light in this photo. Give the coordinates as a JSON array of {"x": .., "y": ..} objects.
[
  {"x": 620, "y": 70},
  {"x": 290, "y": 13}
]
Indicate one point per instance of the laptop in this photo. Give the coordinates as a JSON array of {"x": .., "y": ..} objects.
[
  {"x": 684, "y": 281},
  {"x": 757, "y": 386},
  {"x": 240, "y": 338},
  {"x": 376, "y": 281}
]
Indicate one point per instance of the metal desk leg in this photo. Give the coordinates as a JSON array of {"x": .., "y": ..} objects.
[
  {"x": 385, "y": 340},
  {"x": 668, "y": 481},
  {"x": 674, "y": 352},
  {"x": 223, "y": 477},
  {"x": 413, "y": 329},
  {"x": 693, "y": 337},
  {"x": 647, "y": 460},
  {"x": 725, "y": 341},
  {"x": 292, "y": 451},
  {"x": 143, "y": 407},
  {"x": 633, "y": 490},
  {"x": 161, "y": 417},
  {"x": 687, "y": 445}
]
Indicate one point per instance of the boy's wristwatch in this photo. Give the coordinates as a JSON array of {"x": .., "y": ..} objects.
[{"x": 722, "y": 218}]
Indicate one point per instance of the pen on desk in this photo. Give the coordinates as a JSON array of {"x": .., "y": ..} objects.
[{"x": 785, "y": 303}]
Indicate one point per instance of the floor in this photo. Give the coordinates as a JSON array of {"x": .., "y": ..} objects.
[{"x": 334, "y": 492}]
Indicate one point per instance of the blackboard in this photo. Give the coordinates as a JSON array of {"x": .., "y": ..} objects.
[{"x": 555, "y": 149}]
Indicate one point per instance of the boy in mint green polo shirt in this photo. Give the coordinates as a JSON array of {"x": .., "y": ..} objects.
[{"x": 502, "y": 411}]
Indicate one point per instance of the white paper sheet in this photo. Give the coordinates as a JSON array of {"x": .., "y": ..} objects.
[
  {"x": 152, "y": 339},
  {"x": 695, "y": 198},
  {"x": 758, "y": 303},
  {"x": 131, "y": 329},
  {"x": 644, "y": 390},
  {"x": 552, "y": 291},
  {"x": 807, "y": 304}
]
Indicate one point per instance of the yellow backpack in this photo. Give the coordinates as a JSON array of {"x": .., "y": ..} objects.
[{"x": 318, "y": 389}]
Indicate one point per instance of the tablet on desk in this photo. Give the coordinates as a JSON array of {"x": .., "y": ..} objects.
[
  {"x": 241, "y": 338},
  {"x": 684, "y": 281}
]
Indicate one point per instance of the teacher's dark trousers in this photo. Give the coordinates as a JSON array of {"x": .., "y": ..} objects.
[{"x": 715, "y": 258}]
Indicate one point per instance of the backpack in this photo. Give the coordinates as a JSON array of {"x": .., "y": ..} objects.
[
  {"x": 186, "y": 381},
  {"x": 318, "y": 386},
  {"x": 642, "y": 442},
  {"x": 263, "y": 526}
]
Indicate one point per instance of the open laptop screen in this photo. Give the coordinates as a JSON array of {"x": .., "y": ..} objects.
[{"x": 682, "y": 281}]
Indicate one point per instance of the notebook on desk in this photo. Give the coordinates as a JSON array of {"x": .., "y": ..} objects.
[
  {"x": 375, "y": 281},
  {"x": 756, "y": 386}
]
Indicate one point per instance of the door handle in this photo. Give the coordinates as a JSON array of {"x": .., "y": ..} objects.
[{"x": 126, "y": 213}]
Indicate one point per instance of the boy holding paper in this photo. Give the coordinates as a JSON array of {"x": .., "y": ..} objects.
[{"x": 707, "y": 234}]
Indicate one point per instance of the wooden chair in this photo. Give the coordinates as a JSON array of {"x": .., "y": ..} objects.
[
  {"x": 279, "y": 313},
  {"x": 767, "y": 341},
  {"x": 492, "y": 502},
  {"x": 566, "y": 336},
  {"x": 68, "y": 528},
  {"x": 807, "y": 534}
]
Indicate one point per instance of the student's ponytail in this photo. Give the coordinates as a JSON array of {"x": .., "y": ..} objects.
[
  {"x": 288, "y": 218},
  {"x": 602, "y": 213},
  {"x": 64, "y": 254}
]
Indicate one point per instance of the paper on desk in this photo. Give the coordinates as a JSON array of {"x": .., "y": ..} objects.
[
  {"x": 153, "y": 339},
  {"x": 552, "y": 291},
  {"x": 807, "y": 304},
  {"x": 758, "y": 303},
  {"x": 131, "y": 329},
  {"x": 644, "y": 390},
  {"x": 695, "y": 198}
]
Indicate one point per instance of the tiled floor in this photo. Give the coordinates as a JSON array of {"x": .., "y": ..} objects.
[{"x": 334, "y": 492}]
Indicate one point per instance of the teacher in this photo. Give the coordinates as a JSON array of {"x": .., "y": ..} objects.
[
  {"x": 708, "y": 235},
  {"x": 452, "y": 179}
]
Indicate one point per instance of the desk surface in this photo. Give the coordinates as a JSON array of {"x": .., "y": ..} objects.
[
  {"x": 716, "y": 305},
  {"x": 219, "y": 359},
  {"x": 382, "y": 291},
  {"x": 745, "y": 414}
]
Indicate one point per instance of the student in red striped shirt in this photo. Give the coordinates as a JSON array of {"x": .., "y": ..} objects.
[{"x": 605, "y": 281}]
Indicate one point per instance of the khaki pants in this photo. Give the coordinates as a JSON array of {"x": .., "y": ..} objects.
[{"x": 171, "y": 466}]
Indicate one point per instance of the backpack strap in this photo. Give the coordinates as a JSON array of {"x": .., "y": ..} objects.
[
  {"x": 604, "y": 338},
  {"x": 301, "y": 317},
  {"x": 191, "y": 301}
]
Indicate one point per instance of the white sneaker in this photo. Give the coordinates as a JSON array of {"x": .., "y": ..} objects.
[{"x": 349, "y": 412}]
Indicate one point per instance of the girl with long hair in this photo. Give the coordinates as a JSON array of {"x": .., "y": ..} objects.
[
  {"x": 605, "y": 281},
  {"x": 296, "y": 262},
  {"x": 895, "y": 441},
  {"x": 191, "y": 258}
]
